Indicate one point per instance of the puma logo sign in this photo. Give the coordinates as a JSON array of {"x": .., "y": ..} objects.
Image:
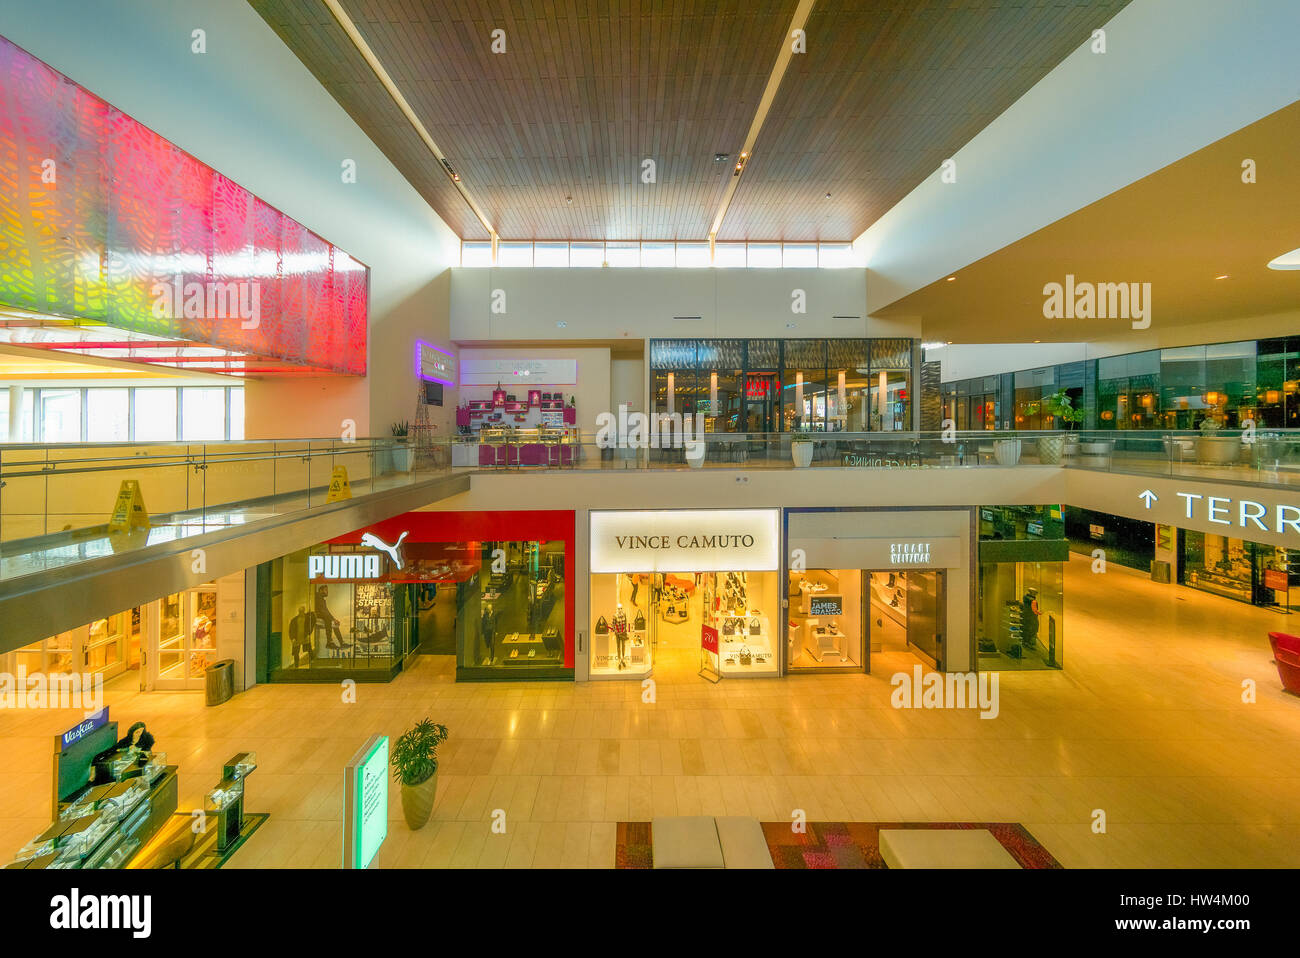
[{"x": 374, "y": 542}]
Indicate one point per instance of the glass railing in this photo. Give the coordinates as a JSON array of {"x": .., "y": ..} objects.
[{"x": 58, "y": 503}]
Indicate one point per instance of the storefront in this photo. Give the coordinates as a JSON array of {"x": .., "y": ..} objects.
[
  {"x": 669, "y": 587},
  {"x": 1251, "y": 572},
  {"x": 491, "y": 588},
  {"x": 890, "y": 584},
  {"x": 168, "y": 643},
  {"x": 1020, "y": 615}
]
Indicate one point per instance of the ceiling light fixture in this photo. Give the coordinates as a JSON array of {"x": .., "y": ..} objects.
[
  {"x": 951, "y": 278},
  {"x": 721, "y": 157},
  {"x": 1222, "y": 276},
  {"x": 1289, "y": 260}
]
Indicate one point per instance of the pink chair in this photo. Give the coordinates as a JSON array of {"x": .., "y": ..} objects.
[{"x": 1286, "y": 652}]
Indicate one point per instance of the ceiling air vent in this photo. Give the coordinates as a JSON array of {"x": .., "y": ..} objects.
[{"x": 688, "y": 319}]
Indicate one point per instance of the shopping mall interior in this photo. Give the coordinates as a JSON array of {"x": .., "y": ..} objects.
[{"x": 579, "y": 435}]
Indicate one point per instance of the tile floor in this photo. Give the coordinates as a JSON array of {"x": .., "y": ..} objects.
[{"x": 1146, "y": 723}]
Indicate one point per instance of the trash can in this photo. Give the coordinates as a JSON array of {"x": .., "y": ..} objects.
[
  {"x": 1161, "y": 571},
  {"x": 220, "y": 681}
]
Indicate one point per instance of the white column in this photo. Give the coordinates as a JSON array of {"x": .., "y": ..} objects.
[{"x": 16, "y": 413}]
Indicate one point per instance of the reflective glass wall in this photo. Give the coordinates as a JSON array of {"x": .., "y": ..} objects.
[{"x": 790, "y": 385}]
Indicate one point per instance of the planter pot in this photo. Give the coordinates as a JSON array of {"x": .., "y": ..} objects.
[
  {"x": 1218, "y": 450},
  {"x": 695, "y": 454},
  {"x": 1007, "y": 451},
  {"x": 1051, "y": 449},
  {"x": 801, "y": 453},
  {"x": 417, "y": 802},
  {"x": 401, "y": 458},
  {"x": 1071, "y": 447}
]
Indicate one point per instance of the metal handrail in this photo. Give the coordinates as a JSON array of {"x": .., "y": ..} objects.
[{"x": 152, "y": 462}]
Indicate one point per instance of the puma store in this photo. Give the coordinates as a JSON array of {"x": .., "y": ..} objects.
[
  {"x": 489, "y": 589},
  {"x": 685, "y": 588},
  {"x": 889, "y": 585}
]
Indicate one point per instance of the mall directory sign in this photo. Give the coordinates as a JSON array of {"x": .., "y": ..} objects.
[{"x": 365, "y": 803}]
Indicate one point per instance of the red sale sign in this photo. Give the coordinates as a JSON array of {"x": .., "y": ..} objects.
[{"x": 709, "y": 639}]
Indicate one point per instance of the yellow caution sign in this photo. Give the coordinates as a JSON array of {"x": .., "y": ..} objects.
[
  {"x": 129, "y": 511},
  {"x": 339, "y": 488}
]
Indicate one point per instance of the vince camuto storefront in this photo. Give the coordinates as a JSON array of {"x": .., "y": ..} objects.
[{"x": 673, "y": 587}]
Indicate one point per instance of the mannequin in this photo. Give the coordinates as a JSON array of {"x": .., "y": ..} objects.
[
  {"x": 618, "y": 625},
  {"x": 489, "y": 626}
]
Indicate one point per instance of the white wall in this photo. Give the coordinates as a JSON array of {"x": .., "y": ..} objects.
[
  {"x": 250, "y": 109},
  {"x": 627, "y": 384},
  {"x": 636, "y": 304}
]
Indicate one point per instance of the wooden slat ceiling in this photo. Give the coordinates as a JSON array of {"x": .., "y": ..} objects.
[{"x": 549, "y": 137}]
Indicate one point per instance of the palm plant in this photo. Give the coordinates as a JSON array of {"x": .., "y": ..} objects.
[{"x": 415, "y": 755}]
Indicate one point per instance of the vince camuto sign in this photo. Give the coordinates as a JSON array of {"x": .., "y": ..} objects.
[
  {"x": 686, "y": 542},
  {"x": 695, "y": 540}
]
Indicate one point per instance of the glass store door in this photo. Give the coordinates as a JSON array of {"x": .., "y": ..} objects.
[{"x": 187, "y": 638}]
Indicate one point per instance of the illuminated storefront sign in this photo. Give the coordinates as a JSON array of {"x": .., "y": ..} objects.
[
  {"x": 350, "y": 566},
  {"x": 909, "y": 553},
  {"x": 434, "y": 364},
  {"x": 722, "y": 540},
  {"x": 1226, "y": 511}
]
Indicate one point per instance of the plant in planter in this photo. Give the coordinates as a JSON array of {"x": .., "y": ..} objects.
[
  {"x": 414, "y": 762},
  {"x": 1213, "y": 448},
  {"x": 801, "y": 450},
  {"x": 1051, "y": 449},
  {"x": 401, "y": 451}
]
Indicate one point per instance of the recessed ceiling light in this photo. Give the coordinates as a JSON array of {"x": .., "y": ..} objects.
[
  {"x": 562, "y": 324},
  {"x": 1222, "y": 276},
  {"x": 720, "y": 157},
  {"x": 828, "y": 196},
  {"x": 951, "y": 278},
  {"x": 1289, "y": 260}
]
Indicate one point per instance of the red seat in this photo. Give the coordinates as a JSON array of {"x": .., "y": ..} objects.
[{"x": 1286, "y": 652}]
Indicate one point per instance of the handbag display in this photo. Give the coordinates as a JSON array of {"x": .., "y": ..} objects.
[
  {"x": 728, "y": 627},
  {"x": 755, "y": 627},
  {"x": 638, "y": 624},
  {"x": 601, "y": 626},
  {"x": 746, "y": 657}
]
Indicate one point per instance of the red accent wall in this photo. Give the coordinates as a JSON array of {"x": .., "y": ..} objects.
[{"x": 524, "y": 526}]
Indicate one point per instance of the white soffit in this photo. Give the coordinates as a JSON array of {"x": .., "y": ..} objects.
[{"x": 1176, "y": 76}]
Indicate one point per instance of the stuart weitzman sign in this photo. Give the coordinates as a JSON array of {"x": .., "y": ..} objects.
[{"x": 721, "y": 540}]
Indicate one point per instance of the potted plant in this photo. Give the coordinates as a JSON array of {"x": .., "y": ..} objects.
[
  {"x": 401, "y": 451},
  {"x": 414, "y": 761},
  {"x": 1051, "y": 449},
  {"x": 801, "y": 450},
  {"x": 1214, "y": 449}
]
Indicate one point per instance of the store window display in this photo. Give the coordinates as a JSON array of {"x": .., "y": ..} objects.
[
  {"x": 643, "y": 615},
  {"x": 825, "y": 628},
  {"x": 510, "y": 611},
  {"x": 321, "y": 621},
  {"x": 1021, "y": 615}
]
